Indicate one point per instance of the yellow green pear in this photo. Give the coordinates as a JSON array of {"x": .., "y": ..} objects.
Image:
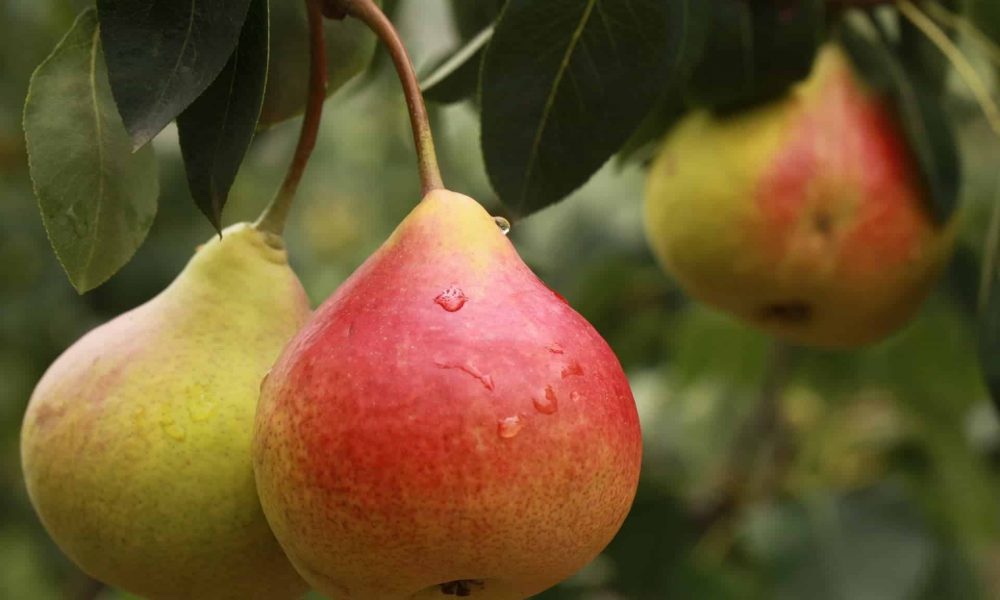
[
  {"x": 806, "y": 217},
  {"x": 136, "y": 442}
]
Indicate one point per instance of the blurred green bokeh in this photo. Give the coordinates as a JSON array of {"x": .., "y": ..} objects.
[{"x": 884, "y": 482}]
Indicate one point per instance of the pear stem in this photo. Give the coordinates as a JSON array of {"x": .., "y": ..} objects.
[
  {"x": 275, "y": 215},
  {"x": 371, "y": 15},
  {"x": 761, "y": 447}
]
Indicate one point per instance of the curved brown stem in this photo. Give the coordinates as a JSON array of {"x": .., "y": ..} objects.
[
  {"x": 370, "y": 13},
  {"x": 276, "y": 214}
]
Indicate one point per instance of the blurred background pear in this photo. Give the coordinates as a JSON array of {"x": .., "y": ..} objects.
[{"x": 805, "y": 217}]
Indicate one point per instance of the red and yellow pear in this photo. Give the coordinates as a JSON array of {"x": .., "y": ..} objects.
[
  {"x": 445, "y": 424},
  {"x": 805, "y": 217}
]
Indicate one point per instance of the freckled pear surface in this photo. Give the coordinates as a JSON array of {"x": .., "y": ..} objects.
[
  {"x": 805, "y": 217},
  {"x": 445, "y": 424},
  {"x": 136, "y": 442}
]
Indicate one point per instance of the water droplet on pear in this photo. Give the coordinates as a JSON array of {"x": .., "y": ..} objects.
[
  {"x": 452, "y": 299},
  {"x": 572, "y": 370},
  {"x": 502, "y": 224},
  {"x": 509, "y": 427},
  {"x": 548, "y": 403}
]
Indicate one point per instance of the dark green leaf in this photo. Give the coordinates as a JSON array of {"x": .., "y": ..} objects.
[
  {"x": 349, "y": 49},
  {"x": 162, "y": 54},
  {"x": 564, "y": 84},
  {"x": 922, "y": 117},
  {"x": 456, "y": 76},
  {"x": 216, "y": 130},
  {"x": 756, "y": 51},
  {"x": 920, "y": 55},
  {"x": 97, "y": 198},
  {"x": 642, "y": 145}
]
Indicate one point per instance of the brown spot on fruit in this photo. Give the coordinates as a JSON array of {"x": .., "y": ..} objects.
[
  {"x": 462, "y": 587},
  {"x": 794, "y": 312},
  {"x": 823, "y": 222}
]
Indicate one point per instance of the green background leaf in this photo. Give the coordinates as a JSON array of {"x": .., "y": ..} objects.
[
  {"x": 216, "y": 130},
  {"x": 985, "y": 15},
  {"x": 920, "y": 114},
  {"x": 472, "y": 16},
  {"x": 455, "y": 77},
  {"x": 349, "y": 49},
  {"x": 989, "y": 305},
  {"x": 564, "y": 84},
  {"x": 97, "y": 198},
  {"x": 162, "y": 54}
]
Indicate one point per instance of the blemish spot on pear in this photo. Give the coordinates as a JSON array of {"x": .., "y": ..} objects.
[
  {"x": 509, "y": 427},
  {"x": 548, "y": 403},
  {"x": 502, "y": 224},
  {"x": 452, "y": 299}
]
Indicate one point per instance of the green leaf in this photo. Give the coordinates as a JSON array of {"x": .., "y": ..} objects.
[
  {"x": 870, "y": 544},
  {"x": 456, "y": 76},
  {"x": 921, "y": 115},
  {"x": 349, "y": 49},
  {"x": 756, "y": 51},
  {"x": 564, "y": 84},
  {"x": 97, "y": 198},
  {"x": 216, "y": 130},
  {"x": 472, "y": 16},
  {"x": 162, "y": 54},
  {"x": 989, "y": 306},
  {"x": 985, "y": 15}
]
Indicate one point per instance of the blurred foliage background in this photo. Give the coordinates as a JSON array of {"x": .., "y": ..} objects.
[{"x": 769, "y": 472}]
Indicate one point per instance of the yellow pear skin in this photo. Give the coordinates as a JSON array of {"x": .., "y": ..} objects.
[
  {"x": 805, "y": 217},
  {"x": 136, "y": 441}
]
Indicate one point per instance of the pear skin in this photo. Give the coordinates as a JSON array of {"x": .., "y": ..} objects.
[
  {"x": 805, "y": 217},
  {"x": 445, "y": 424},
  {"x": 136, "y": 442}
]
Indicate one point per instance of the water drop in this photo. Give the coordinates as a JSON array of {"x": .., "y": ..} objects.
[
  {"x": 574, "y": 397},
  {"x": 510, "y": 426},
  {"x": 503, "y": 224},
  {"x": 469, "y": 369},
  {"x": 452, "y": 299},
  {"x": 547, "y": 404},
  {"x": 572, "y": 370}
]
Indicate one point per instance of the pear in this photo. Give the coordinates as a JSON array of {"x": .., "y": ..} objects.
[
  {"x": 805, "y": 217},
  {"x": 445, "y": 424},
  {"x": 136, "y": 442}
]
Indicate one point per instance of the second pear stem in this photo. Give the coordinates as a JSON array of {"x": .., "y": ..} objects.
[
  {"x": 274, "y": 217},
  {"x": 369, "y": 13}
]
